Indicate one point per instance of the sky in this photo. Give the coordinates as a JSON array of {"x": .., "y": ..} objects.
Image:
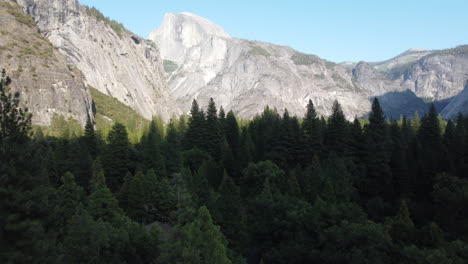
[{"x": 336, "y": 30}]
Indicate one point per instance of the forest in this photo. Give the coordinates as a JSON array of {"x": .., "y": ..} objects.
[{"x": 212, "y": 188}]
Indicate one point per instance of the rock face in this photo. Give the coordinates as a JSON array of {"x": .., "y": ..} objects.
[
  {"x": 439, "y": 75},
  {"x": 112, "y": 59},
  {"x": 47, "y": 82},
  {"x": 203, "y": 61},
  {"x": 245, "y": 76},
  {"x": 458, "y": 105}
]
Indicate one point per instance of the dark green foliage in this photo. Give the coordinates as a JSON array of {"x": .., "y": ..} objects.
[
  {"x": 85, "y": 240},
  {"x": 312, "y": 135},
  {"x": 337, "y": 127},
  {"x": 115, "y": 159},
  {"x": 15, "y": 121},
  {"x": 230, "y": 213},
  {"x": 70, "y": 196},
  {"x": 232, "y": 132},
  {"x": 203, "y": 241},
  {"x": 146, "y": 197},
  {"x": 90, "y": 139},
  {"x": 212, "y": 140},
  {"x": 195, "y": 135},
  {"x": 102, "y": 203},
  {"x": 377, "y": 186},
  {"x": 150, "y": 146},
  {"x": 24, "y": 188},
  {"x": 282, "y": 190}
]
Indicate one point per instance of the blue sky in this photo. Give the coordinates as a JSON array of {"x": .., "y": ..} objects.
[{"x": 369, "y": 30}]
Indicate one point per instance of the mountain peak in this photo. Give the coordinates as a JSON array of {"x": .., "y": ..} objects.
[
  {"x": 416, "y": 50},
  {"x": 188, "y": 26},
  {"x": 182, "y": 32}
]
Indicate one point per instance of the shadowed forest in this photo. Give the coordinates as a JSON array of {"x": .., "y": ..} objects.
[{"x": 210, "y": 188}]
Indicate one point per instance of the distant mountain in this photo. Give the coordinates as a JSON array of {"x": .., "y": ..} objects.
[
  {"x": 245, "y": 76},
  {"x": 203, "y": 61},
  {"x": 189, "y": 57},
  {"x": 396, "y": 66}
]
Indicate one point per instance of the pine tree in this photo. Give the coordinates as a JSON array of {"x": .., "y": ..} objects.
[
  {"x": 312, "y": 133},
  {"x": 115, "y": 159},
  {"x": 398, "y": 162},
  {"x": 430, "y": 138},
  {"x": 70, "y": 195},
  {"x": 171, "y": 149},
  {"x": 89, "y": 138},
  {"x": 416, "y": 122},
  {"x": 15, "y": 121},
  {"x": 312, "y": 182},
  {"x": 86, "y": 239},
  {"x": 222, "y": 121},
  {"x": 230, "y": 213},
  {"x": 379, "y": 176},
  {"x": 23, "y": 187},
  {"x": 204, "y": 243},
  {"x": 232, "y": 133},
  {"x": 151, "y": 148},
  {"x": 196, "y": 132},
  {"x": 336, "y": 139},
  {"x": 102, "y": 204},
  {"x": 212, "y": 142},
  {"x": 247, "y": 148}
]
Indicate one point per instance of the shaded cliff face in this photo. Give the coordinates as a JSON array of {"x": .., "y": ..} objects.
[
  {"x": 244, "y": 76},
  {"x": 48, "y": 84},
  {"x": 113, "y": 60},
  {"x": 439, "y": 75},
  {"x": 458, "y": 105}
]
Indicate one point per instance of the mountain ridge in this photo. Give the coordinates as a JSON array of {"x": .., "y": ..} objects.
[{"x": 190, "y": 57}]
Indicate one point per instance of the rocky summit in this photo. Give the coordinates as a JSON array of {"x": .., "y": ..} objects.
[{"x": 203, "y": 61}]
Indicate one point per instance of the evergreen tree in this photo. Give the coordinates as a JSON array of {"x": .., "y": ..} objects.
[
  {"x": 196, "y": 133},
  {"x": 379, "y": 177},
  {"x": 86, "y": 239},
  {"x": 402, "y": 227},
  {"x": 204, "y": 243},
  {"x": 23, "y": 187},
  {"x": 15, "y": 121},
  {"x": 230, "y": 213},
  {"x": 336, "y": 139},
  {"x": 430, "y": 138},
  {"x": 222, "y": 121},
  {"x": 89, "y": 138},
  {"x": 212, "y": 142},
  {"x": 115, "y": 158},
  {"x": 312, "y": 182},
  {"x": 312, "y": 133},
  {"x": 70, "y": 195},
  {"x": 150, "y": 145},
  {"x": 171, "y": 149},
  {"x": 247, "y": 149},
  {"x": 232, "y": 133},
  {"x": 102, "y": 205}
]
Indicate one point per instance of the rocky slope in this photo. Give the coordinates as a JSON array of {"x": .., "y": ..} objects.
[
  {"x": 113, "y": 60},
  {"x": 438, "y": 76},
  {"x": 458, "y": 105},
  {"x": 48, "y": 84},
  {"x": 203, "y": 61}
]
